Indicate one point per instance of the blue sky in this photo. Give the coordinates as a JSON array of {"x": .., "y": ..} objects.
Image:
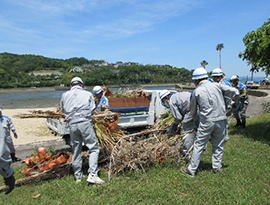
[{"x": 175, "y": 32}]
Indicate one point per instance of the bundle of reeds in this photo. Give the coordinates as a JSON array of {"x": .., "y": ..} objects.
[
  {"x": 42, "y": 114},
  {"x": 133, "y": 154},
  {"x": 107, "y": 132},
  {"x": 131, "y": 93}
]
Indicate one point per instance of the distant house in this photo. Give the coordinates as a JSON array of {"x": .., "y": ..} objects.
[
  {"x": 131, "y": 63},
  {"x": 76, "y": 69},
  {"x": 104, "y": 64},
  {"x": 45, "y": 73}
]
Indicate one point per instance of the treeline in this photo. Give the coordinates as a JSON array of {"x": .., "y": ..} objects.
[{"x": 16, "y": 71}]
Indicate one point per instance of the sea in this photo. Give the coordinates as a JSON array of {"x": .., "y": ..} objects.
[{"x": 43, "y": 99}]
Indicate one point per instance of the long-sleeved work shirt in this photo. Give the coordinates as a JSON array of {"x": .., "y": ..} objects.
[
  {"x": 228, "y": 100},
  {"x": 179, "y": 105},
  {"x": 208, "y": 98},
  {"x": 102, "y": 104},
  {"x": 7, "y": 125},
  {"x": 243, "y": 92},
  {"x": 77, "y": 105}
]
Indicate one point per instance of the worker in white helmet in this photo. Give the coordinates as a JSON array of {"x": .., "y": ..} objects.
[
  {"x": 240, "y": 107},
  {"x": 5, "y": 169},
  {"x": 208, "y": 98},
  {"x": 102, "y": 102},
  {"x": 9, "y": 126},
  {"x": 219, "y": 77},
  {"x": 78, "y": 104},
  {"x": 179, "y": 104}
]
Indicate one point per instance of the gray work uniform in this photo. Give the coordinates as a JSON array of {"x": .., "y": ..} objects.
[
  {"x": 208, "y": 98},
  {"x": 78, "y": 105},
  {"x": 242, "y": 104},
  {"x": 228, "y": 106},
  {"x": 5, "y": 161},
  {"x": 102, "y": 104},
  {"x": 8, "y": 125},
  {"x": 179, "y": 104}
]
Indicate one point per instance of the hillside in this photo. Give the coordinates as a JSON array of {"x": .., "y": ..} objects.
[{"x": 19, "y": 71}]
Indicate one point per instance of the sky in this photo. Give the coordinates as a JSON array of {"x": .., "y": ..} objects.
[{"x": 180, "y": 33}]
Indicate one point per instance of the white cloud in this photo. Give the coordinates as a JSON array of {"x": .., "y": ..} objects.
[{"x": 112, "y": 18}]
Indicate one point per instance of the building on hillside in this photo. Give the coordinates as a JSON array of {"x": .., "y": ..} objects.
[
  {"x": 46, "y": 73},
  {"x": 76, "y": 69}
]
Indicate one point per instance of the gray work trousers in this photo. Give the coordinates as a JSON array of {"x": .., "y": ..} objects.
[
  {"x": 5, "y": 169},
  {"x": 226, "y": 137},
  {"x": 240, "y": 110},
  {"x": 83, "y": 132},
  {"x": 188, "y": 127},
  {"x": 188, "y": 142},
  {"x": 10, "y": 144},
  {"x": 217, "y": 132}
]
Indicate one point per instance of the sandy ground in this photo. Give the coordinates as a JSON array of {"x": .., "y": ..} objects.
[
  {"x": 32, "y": 130},
  {"x": 29, "y": 130}
]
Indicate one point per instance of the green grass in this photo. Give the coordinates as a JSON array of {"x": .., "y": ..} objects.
[{"x": 244, "y": 178}]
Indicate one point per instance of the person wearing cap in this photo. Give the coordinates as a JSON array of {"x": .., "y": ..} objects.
[
  {"x": 102, "y": 102},
  {"x": 5, "y": 169},
  {"x": 78, "y": 104},
  {"x": 240, "y": 107},
  {"x": 208, "y": 99},
  {"x": 218, "y": 77},
  {"x": 8, "y": 125},
  {"x": 179, "y": 104}
]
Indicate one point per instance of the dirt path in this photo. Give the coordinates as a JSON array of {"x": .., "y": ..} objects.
[{"x": 255, "y": 104}]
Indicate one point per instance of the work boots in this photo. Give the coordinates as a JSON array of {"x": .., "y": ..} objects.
[
  {"x": 238, "y": 123},
  {"x": 244, "y": 123},
  {"x": 14, "y": 158},
  {"x": 10, "y": 182}
]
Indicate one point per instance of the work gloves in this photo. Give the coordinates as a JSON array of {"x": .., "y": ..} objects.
[
  {"x": 172, "y": 129},
  {"x": 10, "y": 182}
]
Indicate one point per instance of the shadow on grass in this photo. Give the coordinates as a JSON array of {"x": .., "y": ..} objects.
[
  {"x": 207, "y": 166},
  {"x": 258, "y": 132}
]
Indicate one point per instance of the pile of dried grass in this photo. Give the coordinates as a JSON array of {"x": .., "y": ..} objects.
[
  {"x": 107, "y": 132},
  {"x": 135, "y": 152},
  {"x": 132, "y": 93},
  {"x": 42, "y": 114}
]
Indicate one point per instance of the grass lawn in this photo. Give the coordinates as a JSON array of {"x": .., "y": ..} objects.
[{"x": 244, "y": 178}]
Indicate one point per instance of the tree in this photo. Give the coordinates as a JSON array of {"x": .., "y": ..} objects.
[
  {"x": 219, "y": 48},
  {"x": 257, "y": 52},
  {"x": 204, "y": 63}
]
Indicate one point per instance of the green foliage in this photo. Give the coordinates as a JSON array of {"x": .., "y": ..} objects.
[
  {"x": 257, "y": 52},
  {"x": 204, "y": 63},
  {"x": 15, "y": 72}
]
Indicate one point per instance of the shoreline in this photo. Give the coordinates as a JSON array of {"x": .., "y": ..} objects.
[
  {"x": 30, "y": 130},
  {"x": 7, "y": 90}
]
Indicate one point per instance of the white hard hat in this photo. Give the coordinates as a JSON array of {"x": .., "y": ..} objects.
[
  {"x": 97, "y": 89},
  {"x": 199, "y": 73},
  {"x": 217, "y": 72},
  {"x": 234, "y": 78},
  {"x": 164, "y": 93},
  {"x": 76, "y": 80}
]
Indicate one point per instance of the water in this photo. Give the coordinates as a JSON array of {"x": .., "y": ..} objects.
[
  {"x": 41, "y": 99},
  {"x": 24, "y": 95}
]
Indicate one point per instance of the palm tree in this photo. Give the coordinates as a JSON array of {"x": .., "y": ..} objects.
[
  {"x": 218, "y": 48},
  {"x": 204, "y": 63}
]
